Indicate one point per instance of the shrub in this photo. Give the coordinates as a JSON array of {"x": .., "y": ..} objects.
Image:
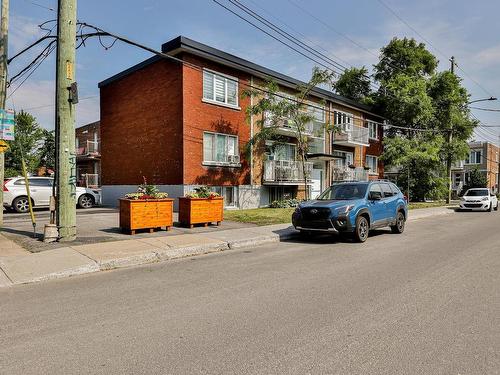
[
  {"x": 145, "y": 191},
  {"x": 286, "y": 203}
]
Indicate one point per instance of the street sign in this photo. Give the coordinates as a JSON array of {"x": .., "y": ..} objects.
[
  {"x": 7, "y": 125},
  {"x": 3, "y": 146}
]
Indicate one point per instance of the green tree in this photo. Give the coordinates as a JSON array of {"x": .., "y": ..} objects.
[
  {"x": 404, "y": 56},
  {"x": 354, "y": 83},
  {"x": 47, "y": 150},
  {"x": 475, "y": 179},
  {"x": 271, "y": 109},
  {"x": 28, "y": 137}
]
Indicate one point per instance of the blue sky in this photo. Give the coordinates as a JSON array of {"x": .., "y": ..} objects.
[{"x": 468, "y": 30}]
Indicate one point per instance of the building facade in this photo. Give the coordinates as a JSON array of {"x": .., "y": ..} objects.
[
  {"x": 88, "y": 155},
  {"x": 483, "y": 156},
  {"x": 184, "y": 124}
]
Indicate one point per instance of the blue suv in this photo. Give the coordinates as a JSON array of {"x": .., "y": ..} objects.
[{"x": 353, "y": 207}]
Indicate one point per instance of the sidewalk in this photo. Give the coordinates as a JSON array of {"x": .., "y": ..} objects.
[{"x": 19, "y": 266}]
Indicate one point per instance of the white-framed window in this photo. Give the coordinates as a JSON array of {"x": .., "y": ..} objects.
[
  {"x": 220, "y": 148},
  {"x": 372, "y": 130},
  {"x": 348, "y": 159},
  {"x": 372, "y": 162},
  {"x": 229, "y": 193},
  {"x": 281, "y": 151},
  {"x": 344, "y": 119},
  {"x": 220, "y": 88},
  {"x": 474, "y": 158},
  {"x": 318, "y": 122}
]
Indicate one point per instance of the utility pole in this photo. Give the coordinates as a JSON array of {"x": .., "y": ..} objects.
[
  {"x": 4, "y": 31},
  {"x": 65, "y": 121},
  {"x": 449, "y": 140}
]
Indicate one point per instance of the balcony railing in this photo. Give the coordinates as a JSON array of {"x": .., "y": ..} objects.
[
  {"x": 349, "y": 174},
  {"x": 289, "y": 128},
  {"x": 285, "y": 171},
  {"x": 90, "y": 148},
  {"x": 352, "y": 135},
  {"x": 89, "y": 180}
]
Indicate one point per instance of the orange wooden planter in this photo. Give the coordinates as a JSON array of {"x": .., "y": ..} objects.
[
  {"x": 146, "y": 214},
  {"x": 201, "y": 211}
]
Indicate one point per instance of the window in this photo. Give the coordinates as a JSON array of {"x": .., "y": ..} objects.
[
  {"x": 371, "y": 162},
  {"x": 344, "y": 119},
  {"x": 344, "y": 192},
  {"x": 220, "y": 148},
  {"x": 220, "y": 89},
  {"x": 372, "y": 130},
  {"x": 281, "y": 151},
  {"x": 347, "y": 161},
  {"x": 474, "y": 157},
  {"x": 375, "y": 191},
  {"x": 229, "y": 193},
  {"x": 386, "y": 189}
]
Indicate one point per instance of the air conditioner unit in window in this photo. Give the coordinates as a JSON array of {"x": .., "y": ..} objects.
[{"x": 233, "y": 159}]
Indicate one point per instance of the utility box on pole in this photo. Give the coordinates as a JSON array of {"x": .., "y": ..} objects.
[{"x": 65, "y": 121}]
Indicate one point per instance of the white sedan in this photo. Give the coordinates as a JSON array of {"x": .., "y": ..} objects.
[
  {"x": 14, "y": 194},
  {"x": 479, "y": 199}
]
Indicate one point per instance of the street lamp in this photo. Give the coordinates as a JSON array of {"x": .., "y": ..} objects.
[{"x": 483, "y": 100}]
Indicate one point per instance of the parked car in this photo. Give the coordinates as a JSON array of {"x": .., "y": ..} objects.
[
  {"x": 479, "y": 199},
  {"x": 14, "y": 194},
  {"x": 353, "y": 207}
]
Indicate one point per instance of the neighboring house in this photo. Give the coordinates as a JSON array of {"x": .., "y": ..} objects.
[
  {"x": 88, "y": 155},
  {"x": 485, "y": 157},
  {"x": 185, "y": 125}
]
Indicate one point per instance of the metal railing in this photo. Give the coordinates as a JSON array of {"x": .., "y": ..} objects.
[
  {"x": 90, "y": 148},
  {"x": 90, "y": 180},
  {"x": 353, "y": 134},
  {"x": 290, "y": 128},
  {"x": 285, "y": 171},
  {"x": 349, "y": 174}
]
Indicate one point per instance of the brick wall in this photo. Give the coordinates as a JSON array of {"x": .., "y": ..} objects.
[
  {"x": 200, "y": 116},
  {"x": 141, "y": 126}
]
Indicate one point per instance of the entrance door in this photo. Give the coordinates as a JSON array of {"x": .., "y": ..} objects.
[{"x": 317, "y": 182}]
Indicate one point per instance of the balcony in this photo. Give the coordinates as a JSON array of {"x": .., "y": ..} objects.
[
  {"x": 353, "y": 135},
  {"x": 349, "y": 174},
  {"x": 90, "y": 150},
  {"x": 288, "y": 128},
  {"x": 89, "y": 180},
  {"x": 285, "y": 172}
]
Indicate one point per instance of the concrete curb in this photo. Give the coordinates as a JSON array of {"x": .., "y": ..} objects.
[{"x": 154, "y": 250}]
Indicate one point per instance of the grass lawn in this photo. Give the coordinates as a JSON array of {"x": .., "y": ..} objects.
[
  {"x": 261, "y": 216},
  {"x": 268, "y": 216}
]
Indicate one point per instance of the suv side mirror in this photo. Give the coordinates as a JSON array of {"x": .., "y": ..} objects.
[{"x": 375, "y": 196}]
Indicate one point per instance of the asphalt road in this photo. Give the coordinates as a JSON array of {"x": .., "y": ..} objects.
[{"x": 425, "y": 302}]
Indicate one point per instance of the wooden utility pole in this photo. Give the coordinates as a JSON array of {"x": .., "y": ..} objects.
[
  {"x": 65, "y": 121},
  {"x": 4, "y": 31},
  {"x": 449, "y": 140}
]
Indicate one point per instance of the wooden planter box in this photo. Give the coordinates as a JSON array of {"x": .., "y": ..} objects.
[
  {"x": 146, "y": 214},
  {"x": 201, "y": 211}
]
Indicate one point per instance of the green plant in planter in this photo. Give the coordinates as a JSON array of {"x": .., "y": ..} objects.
[
  {"x": 145, "y": 191},
  {"x": 202, "y": 192}
]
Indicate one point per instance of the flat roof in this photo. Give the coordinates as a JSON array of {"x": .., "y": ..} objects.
[{"x": 182, "y": 44}]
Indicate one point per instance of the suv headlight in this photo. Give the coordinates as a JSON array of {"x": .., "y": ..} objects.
[
  {"x": 345, "y": 209},
  {"x": 485, "y": 199}
]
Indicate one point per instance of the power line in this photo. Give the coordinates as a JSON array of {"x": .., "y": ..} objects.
[
  {"x": 51, "y": 105},
  {"x": 485, "y": 109},
  {"x": 40, "y": 5}
]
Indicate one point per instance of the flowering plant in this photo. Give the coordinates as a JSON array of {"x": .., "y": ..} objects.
[
  {"x": 145, "y": 191},
  {"x": 202, "y": 192}
]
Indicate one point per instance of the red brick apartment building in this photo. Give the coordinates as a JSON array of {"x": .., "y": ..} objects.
[
  {"x": 88, "y": 155},
  {"x": 181, "y": 125}
]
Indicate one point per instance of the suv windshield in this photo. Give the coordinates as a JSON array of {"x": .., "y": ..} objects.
[
  {"x": 477, "y": 193},
  {"x": 343, "y": 192}
]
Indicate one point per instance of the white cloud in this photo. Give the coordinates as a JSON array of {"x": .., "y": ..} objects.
[{"x": 37, "y": 98}]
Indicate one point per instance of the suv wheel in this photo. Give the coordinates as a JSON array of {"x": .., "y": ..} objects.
[
  {"x": 21, "y": 204},
  {"x": 86, "y": 201},
  {"x": 399, "y": 227},
  {"x": 496, "y": 207},
  {"x": 362, "y": 229}
]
